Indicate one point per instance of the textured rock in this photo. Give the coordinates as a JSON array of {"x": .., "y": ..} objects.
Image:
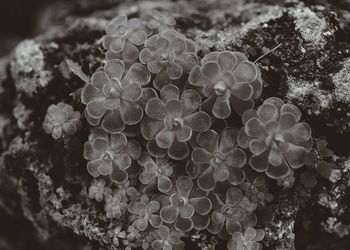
[{"x": 44, "y": 183}]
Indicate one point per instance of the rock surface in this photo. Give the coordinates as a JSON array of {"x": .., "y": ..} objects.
[{"x": 43, "y": 198}]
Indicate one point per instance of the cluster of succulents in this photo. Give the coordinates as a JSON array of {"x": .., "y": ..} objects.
[{"x": 157, "y": 150}]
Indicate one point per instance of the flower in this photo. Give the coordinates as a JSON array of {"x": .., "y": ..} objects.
[
  {"x": 229, "y": 80},
  {"x": 234, "y": 213},
  {"x": 276, "y": 138},
  {"x": 171, "y": 122},
  {"x": 221, "y": 156},
  {"x": 160, "y": 21},
  {"x": 122, "y": 38},
  {"x": 109, "y": 155},
  {"x": 96, "y": 189},
  {"x": 257, "y": 190},
  {"x": 146, "y": 214},
  {"x": 156, "y": 173},
  {"x": 168, "y": 55},
  {"x": 187, "y": 206},
  {"x": 167, "y": 240},
  {"x": 112, "y": 97},
  {"x": 115, "y": 206},
  {"x": 61, "y": 120},
  {"x": 248, "y": 241}
]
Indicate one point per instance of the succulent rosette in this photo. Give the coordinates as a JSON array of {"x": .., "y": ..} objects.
[
  {"x": 112, "y": 95},
  {"x": 160, "y": 21},
  {"x": 221, "y": 158},
  {"x": 110, "y": 155},
  {"x": 123, "y": 37},
  {"x": 188, "y": 207},
  {"x": 231, "y": 215},
  {"x": 167, "y": 239},
  {"x": 276, "y": 138},
  {"x": 146, "y": 214},
  {"x": 61, "y": 120},
  {"x": 247, "y": 241},
  {"x": 171, "y": 121},
  {"x": 168, "y": 54},
  {"x": 229, "y": 81},
  {"x": 156, "y": 173}
]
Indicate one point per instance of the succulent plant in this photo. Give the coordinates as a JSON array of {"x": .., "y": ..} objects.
[
  {"x": 171, "y": 123},
  {"x": 115, "y": 207},
  {"x": 160, "y": 21},
  {"x": 234, "y": 213},
  {"x": 123, "y": 36},
  {"x": 167, "y": 239},
  {"x": 61, "y": 120},
  {"x": 96, "y": 189},
  {"x": 146, "y": 214},
  {"x": 247, "y": 241},
  {"x": 276, "y": 138},
  {"x": 112, "y": 95},
  {"x": 168, "y": 54},
  {"x": 156, "y": 172},
  {"x": 109, "y": 155},
  {"x": 186, "y": 203},
  {"x": 222, "y": 158},
  {"x": 229, "y": 81}
]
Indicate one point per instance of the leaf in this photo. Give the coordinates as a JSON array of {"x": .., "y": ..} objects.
[{"x": 76, "y": 70}]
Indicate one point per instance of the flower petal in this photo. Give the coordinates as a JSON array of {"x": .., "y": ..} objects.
[
  {"x": 164, "y": 184},
  {"x": 260, "y": 162},
  {"x": 243, "y": 139},
  {"x": 155, "y": 66},
  {"x": 236, "y": 175},
  {"x": 290, "y": 108},
  {"x": 236, "y": 158},
  {"x": 139, "y": 74},
  {"x": 90, "y": 93},
  {"x": 200, "y": 155},
  {"x": 199, "y": 121},
  {"x": 183, "y": 134},
  {"x": 232, "y": 226},
  {"x": 200, "y": 222},
  {"x": 174, "y": 71},
  {"x": 239, "y": 106},
  {"x": 137, "y": 37},
  {"x": 122, "y": 161},
  {"x": 184, "y": 185},
  {"x": 196, "y": 77},
  {"x": 150, "y": 128},
  {"x": 201, "y": 205},
  {"x": 95, "y": 109},
  {"x": 154, "y": 150},
  {"x": 92, "y": 167},
  {"x": 278, "y": 172},
  {"x": 255, "y": 128},
  {"x": 162, "y": 79},
  {"x": 130, "y": 53},
  {"x": 227, "y": 61},
  {"x": 221, "y": 108},
  {"x": 118, "y": 143},
  {"x": 169, "y": 214},
  {"x": 221, "y": 173},
  {"x": 99, "y": 79},
  {"x": 286, "y": 121},
  {"x": 117, "y": 45},
  {"x": 275, "y": 157},
  {"x": 113, "y": 122},
  {"x": 186, "y": 211},
  {"x": 242, "y": 91},
  {"x": 217, "y": 222},
  {"x": 165, "y": 138},
  {"x": 131, "y": 92},
  {"x": 131, "y": 113},
  {"x": 188, "y": 61},
  {"x": 184, "y": 224},
  {"x": 174, "y": 108},
  {"x": 296, "y": 156},
  {"x": 191, "y": 101},
  {"x": 206, "y": 180},
  {"x": 211, "y": 70},
  {"x": 119, "y": 176},
  {"x": 105, "y": 168},
  {"x": 257, "y": 146},
  {"x": 114, "y": 69},
  {"x": 208, "y": 140},
  {"x": 246, "y": 72}
]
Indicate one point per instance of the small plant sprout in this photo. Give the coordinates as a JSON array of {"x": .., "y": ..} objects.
[
  {"x": 167, "y": 239},
  {"x": 161, "y": 21},
  {"x": 61, "y": 121},
  {"x": 146, "y": 215},
  {"x": 247, "y": 241}
]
